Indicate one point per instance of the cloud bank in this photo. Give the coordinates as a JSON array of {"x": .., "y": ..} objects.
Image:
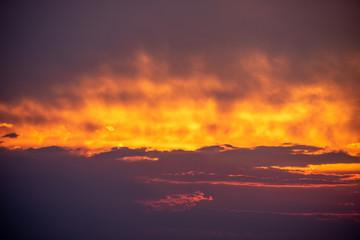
[{"x": 223, "y": 194}]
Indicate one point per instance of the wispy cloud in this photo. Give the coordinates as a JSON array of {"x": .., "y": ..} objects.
[
  {"x": 137, "y": 158},
  {"x": 345, "y": 171},
  {"x": 177, "y": 202},
  {"x": 250, "y": 184}
]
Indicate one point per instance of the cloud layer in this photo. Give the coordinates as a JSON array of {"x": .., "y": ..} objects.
[{"x": 210, "y": 193}]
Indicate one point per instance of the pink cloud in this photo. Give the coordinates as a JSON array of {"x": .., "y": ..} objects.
[
  {"x": 249, "y": 184},
  {"x": 176, "y": 202}
]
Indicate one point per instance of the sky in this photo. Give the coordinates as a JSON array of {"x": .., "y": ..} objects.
[{"x": 180, "y": 119}]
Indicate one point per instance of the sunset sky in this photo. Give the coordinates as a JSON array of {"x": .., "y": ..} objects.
[{"x": 180, "y": 119}]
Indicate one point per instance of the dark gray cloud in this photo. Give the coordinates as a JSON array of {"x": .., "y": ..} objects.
[
  {"x": 11, "y": 135},
  {"x": 54, "y": 193},
  {"x": 50, "y": 44}
]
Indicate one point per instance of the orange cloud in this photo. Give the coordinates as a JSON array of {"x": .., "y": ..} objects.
[
  {"x": 137, "y": 158},
  {"x": 325, "y": 168},
  {"x": 160, "y": 110},
  {"x": 347, "y": 171}
]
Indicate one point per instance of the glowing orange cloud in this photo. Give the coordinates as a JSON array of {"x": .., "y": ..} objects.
[
  {"x": 347, "y": 171},
  {"x": 137, "y": 158},
  {"x": 325, "y": 168},
  {"x": 162, "y": 111}
]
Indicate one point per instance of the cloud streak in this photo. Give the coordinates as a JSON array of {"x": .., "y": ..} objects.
[
  {"x": 176, "y": 202},
  {"x": 250, "y": 184}
]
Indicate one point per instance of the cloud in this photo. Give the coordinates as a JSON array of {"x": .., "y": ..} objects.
[
  {"x": 137, "y": 158},
  {"x": 344, "y": 171},
  {"x": 176, "y": 202},
  {"x": 319, "y": 215},
  {"x": 252, "y": 184},
  {"x": 241, "y": 73},
  {"x": 324, "y": 168},
  {"x": 7, "y": 125},
  {"x": 112, "y": 197},
  {"x": 307, "y": 114},
  {"x": 10, "y": 135}
]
